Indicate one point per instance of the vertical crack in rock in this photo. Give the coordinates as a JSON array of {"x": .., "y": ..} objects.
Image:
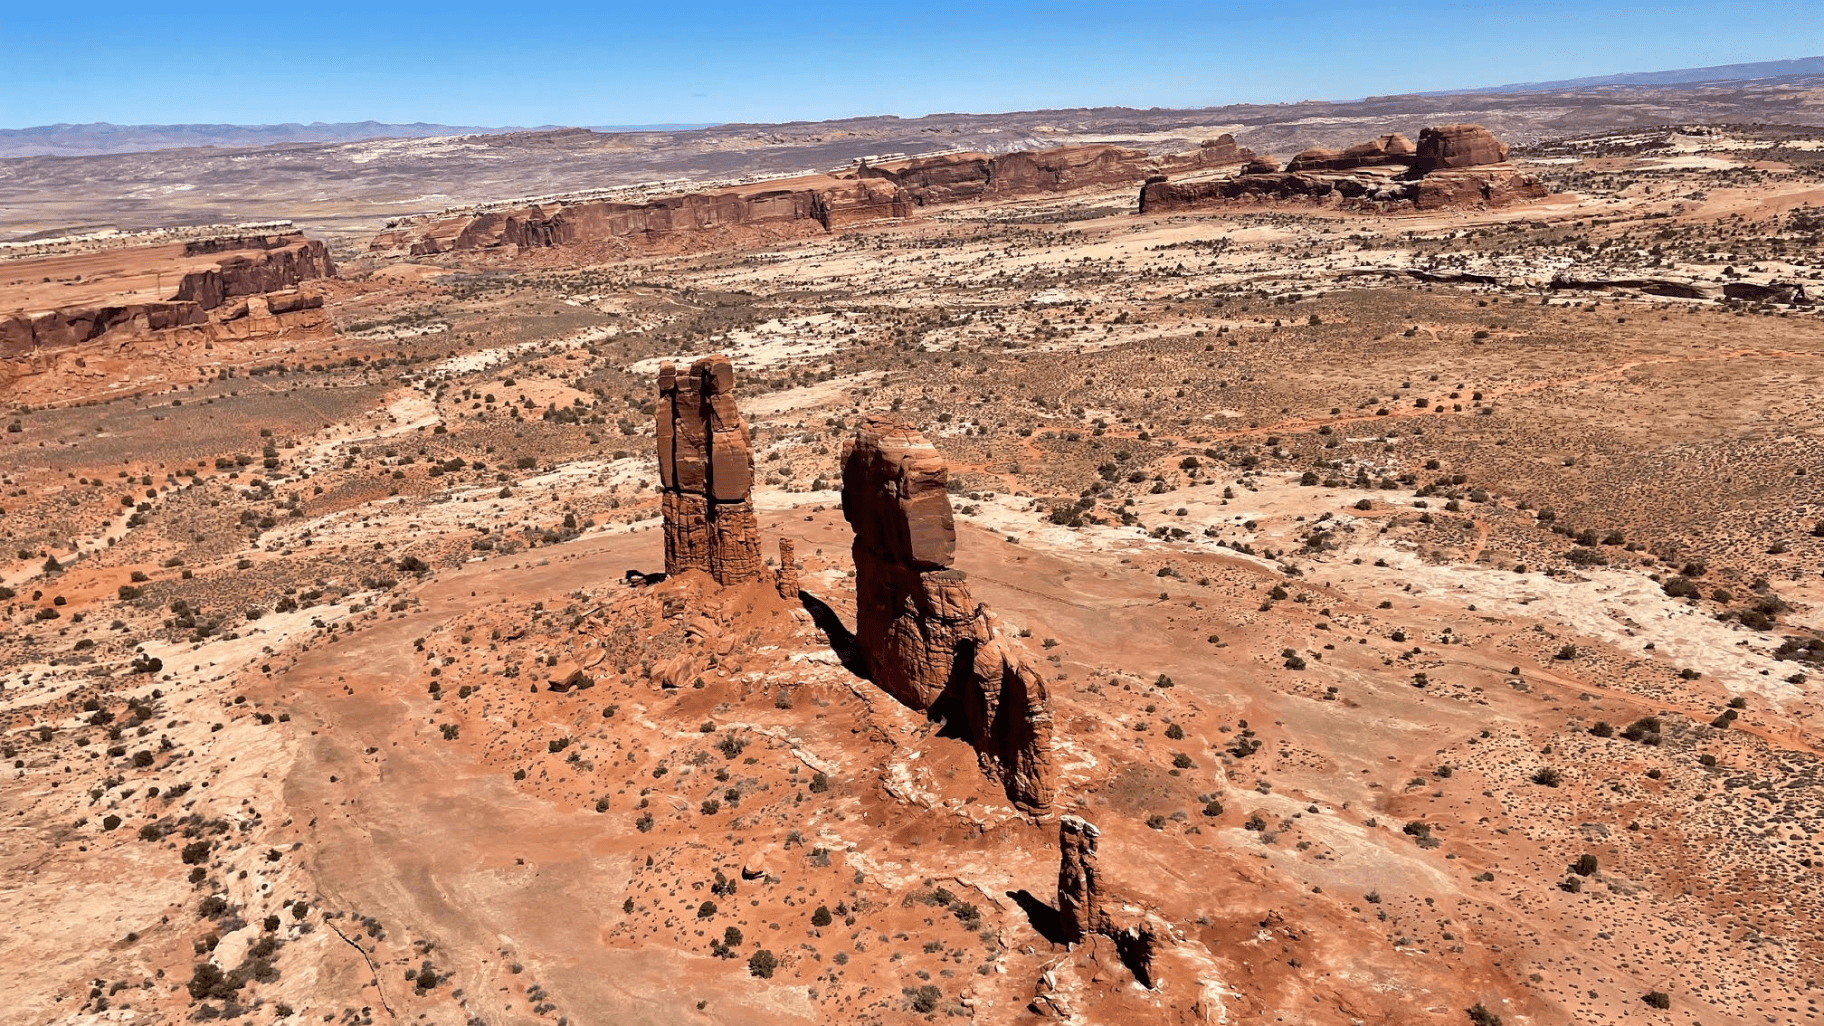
[
  {"x": 925, "y": 640},
  {"x": 706, "y": 474}
]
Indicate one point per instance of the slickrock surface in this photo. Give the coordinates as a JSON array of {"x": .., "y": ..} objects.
[
  {"x": 926, "y": 641},
  {"x": 706, "y": 469}
]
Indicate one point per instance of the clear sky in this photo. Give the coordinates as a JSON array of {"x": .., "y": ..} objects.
[{"x": 539, "y": 62}]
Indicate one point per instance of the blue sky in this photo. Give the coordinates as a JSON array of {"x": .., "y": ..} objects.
[{"x": 552, "y": 62}]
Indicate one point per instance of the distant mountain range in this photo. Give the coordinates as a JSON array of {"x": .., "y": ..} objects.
[
  {"x": 103, "y": 138},
  {"x": 1682, "y": 76}
]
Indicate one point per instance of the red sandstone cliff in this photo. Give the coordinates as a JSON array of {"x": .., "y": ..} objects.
[
  {"x": 807, "y": 204},
  {"x": 814, "y": 202},
  {"x": 1452, "y": 166},
  {"x": 204, "y": 283}
]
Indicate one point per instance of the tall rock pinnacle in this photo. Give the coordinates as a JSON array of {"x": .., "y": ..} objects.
[
  {"x": 926, "y": 640},
  {"x": 706, "y": 474}
]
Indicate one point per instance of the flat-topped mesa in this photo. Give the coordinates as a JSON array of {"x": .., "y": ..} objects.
[
  {"x": 767, "y": 211},
  {"x": 218, "y": 288},
  {"x": 925, "y": 639},
  {"x": 706, "y": 474}
]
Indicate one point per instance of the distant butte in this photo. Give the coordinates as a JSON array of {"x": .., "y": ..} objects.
[
  {"x": 1451, "y": 166},
  {"x": 791, "y": 207}
]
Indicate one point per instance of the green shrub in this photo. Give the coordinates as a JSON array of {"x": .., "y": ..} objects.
[{"x": 1481, "y": 1016}]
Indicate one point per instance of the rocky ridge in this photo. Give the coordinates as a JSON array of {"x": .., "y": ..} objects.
[
  {"x": 255, "y": 276},
  {"x": 1451, "y": 166},
  {"x": 806, "y": 204}
]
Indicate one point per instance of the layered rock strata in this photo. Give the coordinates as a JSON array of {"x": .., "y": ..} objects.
[
  {"x": 1458, "y": 146},
  {"x": 1388, "y": 149},
  {"x": 706, "y": 474},
  {"x": 812, "y": 203},
  {"x": 1451, "y": 166},
  {"x": 190, "y": 286},
  {"x": 965, "y": 177},
  {"x": 925, "y": 639},
  {"x": 807, "y": 204}
]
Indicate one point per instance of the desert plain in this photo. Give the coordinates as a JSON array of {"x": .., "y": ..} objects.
[{"x": 1422, "y": 605}]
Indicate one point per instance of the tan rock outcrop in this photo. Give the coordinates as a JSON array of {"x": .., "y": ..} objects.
[
  {"x": 812, "y": 203},
  {"x": 794, "y": 207},
  {"x": 926, "y": 641},
  {"x": 962, "y": 177},
  {"x": 706, "y": 474}
]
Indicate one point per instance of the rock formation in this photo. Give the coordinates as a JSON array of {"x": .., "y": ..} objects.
[
  {"x": 200, "y": 288},
  {"x": 1211, "y": 153},
  {"x": 797, "y": 206},
  {"x": 706, "y": 474},
  {"x": 1458, "y": 146},
  {"x": 926, "y": 641},
  {"x": 1452, "y": 166},
  {"x": 1388, "y": 149},
  {"x": 1079, "y": 886},
  {"x": 781, "y": 208},
  {"x": 786, "y": 578},
  {"x": 1137, "y": 933},
  {"x": 963, "y": 177}
]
